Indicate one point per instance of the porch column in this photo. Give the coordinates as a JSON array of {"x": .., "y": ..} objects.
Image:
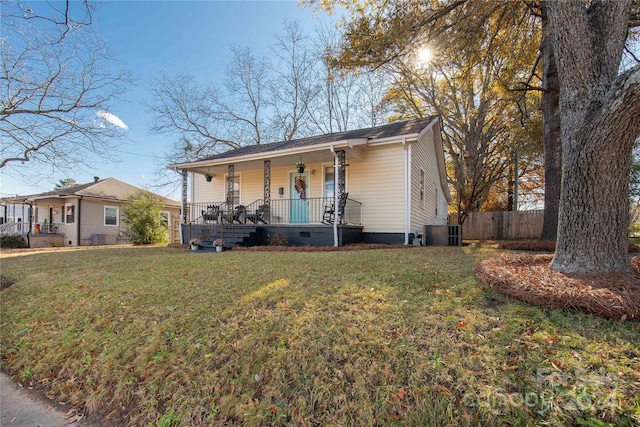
[
  {"x": 183, "y": 202},
  {"x": 338, "y": 193},
  {"x": 341, "y": 184},
  {"x": 267, "y": 182},
  {"x": 230, "y": 187}
]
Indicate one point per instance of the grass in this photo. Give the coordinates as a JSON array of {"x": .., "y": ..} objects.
[{"x": 164, "y": 337}]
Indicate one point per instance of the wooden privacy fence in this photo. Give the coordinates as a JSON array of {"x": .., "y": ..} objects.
[{"x": 501, "y": 225}]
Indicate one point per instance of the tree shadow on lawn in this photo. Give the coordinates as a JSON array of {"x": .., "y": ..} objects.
[{"x": 529, "y": 278}]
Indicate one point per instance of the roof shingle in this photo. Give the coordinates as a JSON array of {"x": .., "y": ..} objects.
[{"x": 378, "y": 132}]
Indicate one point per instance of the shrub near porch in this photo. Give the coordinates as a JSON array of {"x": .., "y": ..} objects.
[{"x": 392, "y": 336}]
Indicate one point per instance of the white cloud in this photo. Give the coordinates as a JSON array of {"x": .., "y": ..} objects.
[{"x": 113, "y": 119}]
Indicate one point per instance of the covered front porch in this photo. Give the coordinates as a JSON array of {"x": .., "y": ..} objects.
[
  {"x": 312, "y": 221},
  {"x": 261, "y": 194}
]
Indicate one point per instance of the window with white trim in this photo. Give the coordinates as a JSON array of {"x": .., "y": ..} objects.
[
  {"x": 329, "y": 181},
  {"x": 111, "y": 215},
  {"x": 69, "y": 214},
  {"x": 421, "y": 188},
  {"x": 236, "y": 188}
]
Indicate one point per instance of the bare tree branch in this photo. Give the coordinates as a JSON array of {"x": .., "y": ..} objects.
[{"x": 57, "y": 87}]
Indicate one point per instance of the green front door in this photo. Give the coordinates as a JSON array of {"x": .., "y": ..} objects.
[{"x": 299, "y": 210}]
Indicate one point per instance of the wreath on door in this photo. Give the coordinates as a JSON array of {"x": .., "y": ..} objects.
[{"x": 301, "y": 188}]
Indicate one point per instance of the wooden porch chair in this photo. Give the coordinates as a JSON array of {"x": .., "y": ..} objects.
[
  {"x": 212, "y": 214},
  {"x": 258, "y": 216},
  {"x": 330, "y": 210},
  {"x": 233, "y": 216}
]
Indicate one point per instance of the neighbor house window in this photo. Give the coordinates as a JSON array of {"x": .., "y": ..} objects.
[
  {"x": 165, "y": 218},
  {"x": 111, "y": 214},
  {"x": 70, "y": 214}
]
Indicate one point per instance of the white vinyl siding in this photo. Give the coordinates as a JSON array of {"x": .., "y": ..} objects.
[
  {"x": 432, "y": 210},
  {"x": 252, "y": 186},
  {"x": 213, "y": 191},
  {"x": 377, "y": 181}
]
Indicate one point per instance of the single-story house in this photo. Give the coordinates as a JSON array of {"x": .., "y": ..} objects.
[
  {"x": 377, "y": 185},
  {"x": 85, "y": 214}
]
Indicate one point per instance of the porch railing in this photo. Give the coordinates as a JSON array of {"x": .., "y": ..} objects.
[
  {"x": 352, "y": 212},
  {"x": 14, "y": 228},
  {"x": 50, "y": 228},
  {"x": 279, "y": 211}
]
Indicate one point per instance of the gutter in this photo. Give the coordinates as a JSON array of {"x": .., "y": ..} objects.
[{"x": 335, "y": 196}]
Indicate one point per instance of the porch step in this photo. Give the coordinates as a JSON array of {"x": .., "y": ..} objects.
[{"x": 230, "y": 238}]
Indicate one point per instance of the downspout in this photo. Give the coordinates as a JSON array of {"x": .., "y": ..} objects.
[
  {"x": 407, "y": 190},
  {"x": 335, "y": 196},
  {"x": 79, "y": 219}
]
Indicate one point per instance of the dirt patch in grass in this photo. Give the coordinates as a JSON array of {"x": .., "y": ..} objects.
[
  {"x": 543, "y": 246},
  {"x": 529, "y": 278}
]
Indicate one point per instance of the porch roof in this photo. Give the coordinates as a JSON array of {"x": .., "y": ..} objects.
[
  {"x": 106, "y": 189},
  {"x": 350, "y": 139}
]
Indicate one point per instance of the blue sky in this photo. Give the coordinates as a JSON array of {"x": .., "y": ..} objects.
[{"x": 149, "y": 37}]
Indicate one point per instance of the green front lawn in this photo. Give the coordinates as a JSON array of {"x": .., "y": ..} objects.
[{"x": 375, "y": 337}]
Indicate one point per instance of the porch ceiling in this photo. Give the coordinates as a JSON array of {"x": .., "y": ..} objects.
[
  {"x": 290, "y": 160},
  {"x": 49, "y": 201}
]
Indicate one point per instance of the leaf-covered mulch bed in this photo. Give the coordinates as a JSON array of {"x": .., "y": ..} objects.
[
  {"x": 354, "y": 247},
  {"x": 543, "y": 245},
  {"x": 529, "y": 278}
]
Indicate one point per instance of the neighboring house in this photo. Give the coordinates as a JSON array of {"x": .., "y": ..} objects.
[
  {"x": 86, "y": 214},
  {"x": 388, "y": 183}
]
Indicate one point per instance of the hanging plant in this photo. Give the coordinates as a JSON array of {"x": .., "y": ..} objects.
[{"x": 301, "y": 188}]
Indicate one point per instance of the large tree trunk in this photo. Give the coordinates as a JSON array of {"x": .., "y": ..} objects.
[
  {"x": 551, "y": 133},
  {"x": 599, "y": 111}
]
